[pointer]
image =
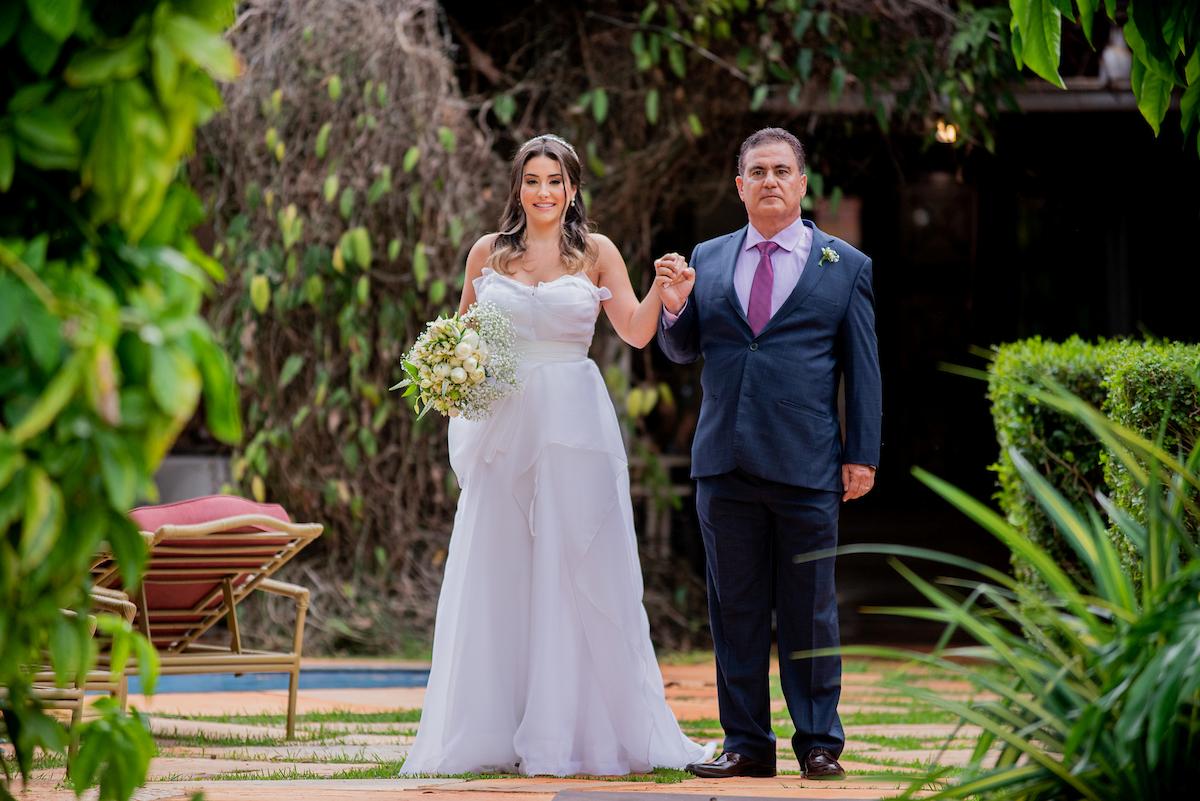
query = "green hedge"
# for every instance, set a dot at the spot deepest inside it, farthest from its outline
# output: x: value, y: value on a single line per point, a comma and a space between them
x: 1136, y: 384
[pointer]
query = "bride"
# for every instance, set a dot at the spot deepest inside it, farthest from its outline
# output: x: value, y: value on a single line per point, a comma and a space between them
x: 542, y: 662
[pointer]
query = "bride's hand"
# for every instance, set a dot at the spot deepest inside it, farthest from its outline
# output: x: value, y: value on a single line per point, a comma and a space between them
x: 674, y: 280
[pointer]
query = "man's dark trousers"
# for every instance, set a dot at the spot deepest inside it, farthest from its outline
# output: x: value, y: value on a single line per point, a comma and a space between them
x: 753, y: 528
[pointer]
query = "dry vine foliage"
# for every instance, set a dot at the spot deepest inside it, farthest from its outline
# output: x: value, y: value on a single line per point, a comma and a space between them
x: 316, y: 325
x: 655, y: 96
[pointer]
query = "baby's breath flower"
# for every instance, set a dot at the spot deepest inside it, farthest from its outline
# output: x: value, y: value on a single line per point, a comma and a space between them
x: 461, y: 366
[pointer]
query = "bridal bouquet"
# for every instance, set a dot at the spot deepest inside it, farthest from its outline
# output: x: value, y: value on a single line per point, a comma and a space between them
x: 462, y: 365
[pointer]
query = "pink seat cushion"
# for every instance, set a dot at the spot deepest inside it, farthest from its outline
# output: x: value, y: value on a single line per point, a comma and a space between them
x: 203, y: 510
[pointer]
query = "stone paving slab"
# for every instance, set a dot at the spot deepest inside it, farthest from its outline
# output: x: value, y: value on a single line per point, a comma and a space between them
x: 364, y: 754
x: 182, y: 769
x: 274, y: 702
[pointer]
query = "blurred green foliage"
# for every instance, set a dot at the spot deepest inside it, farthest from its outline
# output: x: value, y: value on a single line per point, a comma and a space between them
x: 1139, y: 385
x: 103, y: 353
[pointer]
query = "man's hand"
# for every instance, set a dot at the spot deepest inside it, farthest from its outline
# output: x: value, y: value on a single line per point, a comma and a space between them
x: 674, y: 280
x: 857, y: 479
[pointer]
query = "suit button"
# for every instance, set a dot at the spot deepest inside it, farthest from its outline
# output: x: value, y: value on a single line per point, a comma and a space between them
x: 753, y: 346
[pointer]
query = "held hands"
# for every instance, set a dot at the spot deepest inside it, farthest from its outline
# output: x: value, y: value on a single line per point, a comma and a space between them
x: 857, y: 480
x: 674, y: 281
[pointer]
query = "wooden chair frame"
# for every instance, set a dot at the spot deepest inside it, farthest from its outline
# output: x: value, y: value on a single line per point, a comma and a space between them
x: 72, y: 697
x: 236, y: 563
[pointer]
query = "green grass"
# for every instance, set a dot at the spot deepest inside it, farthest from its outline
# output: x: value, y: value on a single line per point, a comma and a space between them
x: 920, y: 765
x: 700, y: 723
x: 686, y: 658
x: 912, y: 717
x: 900, y: 742
x: 336, y: 716
x: 380, y: 770
x: 207, y: 740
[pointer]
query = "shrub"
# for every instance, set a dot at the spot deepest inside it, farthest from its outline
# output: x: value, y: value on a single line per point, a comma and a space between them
x: 1060, y: 447
x: 1133, y: 382
x: 1089, y: 688
x: 103, y: 355
x: 1148, y: 387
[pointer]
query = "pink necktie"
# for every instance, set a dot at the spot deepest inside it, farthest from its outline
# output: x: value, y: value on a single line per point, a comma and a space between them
x: 759, y: 307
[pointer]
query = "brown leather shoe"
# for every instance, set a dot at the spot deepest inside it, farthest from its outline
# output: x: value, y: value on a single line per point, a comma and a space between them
x: 821, y: 764
x: 730, y: 764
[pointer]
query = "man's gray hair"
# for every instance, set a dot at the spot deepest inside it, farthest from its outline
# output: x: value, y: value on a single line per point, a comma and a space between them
x: 765, y: 135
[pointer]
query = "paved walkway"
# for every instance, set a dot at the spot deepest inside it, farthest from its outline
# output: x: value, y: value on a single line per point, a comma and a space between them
x: 230, y: 746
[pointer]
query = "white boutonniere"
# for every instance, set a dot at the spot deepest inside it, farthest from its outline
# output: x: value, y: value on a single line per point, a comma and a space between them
x: 829, y: 255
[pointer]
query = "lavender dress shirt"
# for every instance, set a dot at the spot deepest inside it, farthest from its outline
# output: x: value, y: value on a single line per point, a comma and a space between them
x: 794, y: 242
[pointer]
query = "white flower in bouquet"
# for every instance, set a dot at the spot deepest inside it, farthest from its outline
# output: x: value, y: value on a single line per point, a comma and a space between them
x: 462, y: 365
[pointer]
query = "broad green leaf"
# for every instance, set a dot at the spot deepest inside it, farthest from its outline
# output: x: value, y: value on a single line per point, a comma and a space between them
x: 195, y: 43
x: 164, y: 65
x: 67, y: 649
x: 437, y: 292
x: 102, y: 64
x: 600, y: 105
x: 50, y: 403
x: 760, y: 96
x: 652, y: 106
x: 107, y: 166
x: 46, y: 139
x: 222, y: 405
x: 393, y: 250
x: 43, y: 518
x: 1165, y: 70
x: 1152, y: 92
x: 677, y: 60
x: 39, y: 49
x: 323, y: 139
x: 379, y: 187
x: 119, y: 471
x: 260, y: 293
x: 1189, y: 110
x: 11, y: 460
x: 10, y: 15
x: 43, y: 731
x: 505, y: 107
x: 360, y: 246
x: 1040, y: 23
x: 346, y: 204
x: 148, y: 662
x: 447, y: 139
x: 1087, y: 17
x: 420, y: 265
x: 335, y: 87
x: 411, y: 156
x: 695, y: 125
x: 8, y: 159
x: 56, y: 17
x: 837, y: 82
x: 174, y: 381
x: 314, y: 290
x: 330, y: 189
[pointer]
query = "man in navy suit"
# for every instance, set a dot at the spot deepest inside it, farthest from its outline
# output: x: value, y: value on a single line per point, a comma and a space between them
x: 781, y: 313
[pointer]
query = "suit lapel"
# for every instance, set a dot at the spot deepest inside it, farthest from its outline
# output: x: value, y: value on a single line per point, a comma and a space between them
x: 733, y: 252
x: 809, y: 278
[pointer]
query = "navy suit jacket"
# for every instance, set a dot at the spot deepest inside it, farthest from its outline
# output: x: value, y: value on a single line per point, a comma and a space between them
x: 770, y: 401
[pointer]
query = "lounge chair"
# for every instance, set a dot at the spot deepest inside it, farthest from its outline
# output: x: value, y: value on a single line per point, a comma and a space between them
x: 71, y: 697
x: 205, y: 556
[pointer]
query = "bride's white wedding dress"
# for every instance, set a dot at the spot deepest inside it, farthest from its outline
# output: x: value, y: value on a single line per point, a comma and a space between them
x: 542, y: 662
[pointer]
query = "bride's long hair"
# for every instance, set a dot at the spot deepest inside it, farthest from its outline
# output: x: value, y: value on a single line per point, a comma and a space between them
x: 578, y: 250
